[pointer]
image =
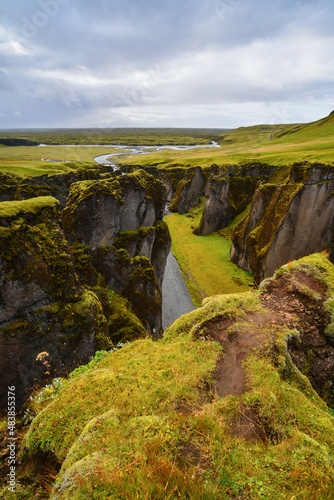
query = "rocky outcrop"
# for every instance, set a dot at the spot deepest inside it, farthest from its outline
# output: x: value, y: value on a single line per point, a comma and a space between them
x: 43, y: 307
x: 120, y: 220
x: 228, y: 192
x: 134, y: 279
x: 8, y: 186
x: 286, y: 221
x: 300, y: 293
x: 188, y: 191
x: 97, y: 211
x: 59, y: 185
x: 73, y: 284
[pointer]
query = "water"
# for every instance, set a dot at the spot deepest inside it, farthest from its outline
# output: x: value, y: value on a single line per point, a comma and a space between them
x: 176, y: 299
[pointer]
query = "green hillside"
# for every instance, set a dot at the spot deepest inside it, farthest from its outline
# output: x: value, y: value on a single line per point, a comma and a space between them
x: 320, y: 129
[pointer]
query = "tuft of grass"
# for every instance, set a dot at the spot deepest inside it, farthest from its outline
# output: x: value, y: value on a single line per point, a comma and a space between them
x: 151, y: 384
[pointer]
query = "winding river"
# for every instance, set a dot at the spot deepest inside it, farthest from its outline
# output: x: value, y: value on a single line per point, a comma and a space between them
x: 140, y: 150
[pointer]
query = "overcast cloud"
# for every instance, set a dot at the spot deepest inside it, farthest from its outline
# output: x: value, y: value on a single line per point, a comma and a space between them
x: 165, y: 63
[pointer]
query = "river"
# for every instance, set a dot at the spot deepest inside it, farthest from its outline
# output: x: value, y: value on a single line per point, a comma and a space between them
x: 140, y: 150
x: 176, y: 298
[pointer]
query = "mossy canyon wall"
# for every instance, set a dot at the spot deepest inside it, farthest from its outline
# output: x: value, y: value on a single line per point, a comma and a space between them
x: 79, y: 279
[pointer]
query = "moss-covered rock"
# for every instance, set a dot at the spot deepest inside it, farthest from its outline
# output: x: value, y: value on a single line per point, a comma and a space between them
x: 42, y: 306
x: 97, y: 211
x: 188, y: 191
x: 286, y: 221
x: 8, y: 186
x: 229, y: 191
x: 135, y: 279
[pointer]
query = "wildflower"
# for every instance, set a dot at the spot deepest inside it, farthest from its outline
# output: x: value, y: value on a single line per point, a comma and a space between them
x: 41, y: 356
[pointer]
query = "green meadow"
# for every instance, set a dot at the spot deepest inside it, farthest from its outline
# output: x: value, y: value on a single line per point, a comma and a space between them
x: 205, y: 260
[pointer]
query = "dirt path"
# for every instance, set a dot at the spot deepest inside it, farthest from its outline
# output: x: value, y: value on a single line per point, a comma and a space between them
x: 237, y: 343
x: 285, y: 305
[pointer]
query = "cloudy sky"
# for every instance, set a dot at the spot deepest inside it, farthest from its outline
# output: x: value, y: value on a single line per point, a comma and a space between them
x: 165, y: 63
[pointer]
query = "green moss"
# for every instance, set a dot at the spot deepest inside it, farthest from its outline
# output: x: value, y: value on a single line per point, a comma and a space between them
x: 34, y: 206
x: 25, y: 191
x: 150, y: 384
x: 123, y: 324
x: 38, y: 253
x: 229, y: 306
x: 128, y: 239
x: 241, y: 191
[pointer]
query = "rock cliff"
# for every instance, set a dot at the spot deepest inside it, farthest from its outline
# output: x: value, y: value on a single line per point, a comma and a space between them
x: 228, y: 192
x: 188, y: 191
x: 286, y: 221
x: 43, y: 307
x: 121, y: 221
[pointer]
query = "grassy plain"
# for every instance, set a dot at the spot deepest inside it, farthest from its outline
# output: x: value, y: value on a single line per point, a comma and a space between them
x: 28, y: 161
x: 117, y: 136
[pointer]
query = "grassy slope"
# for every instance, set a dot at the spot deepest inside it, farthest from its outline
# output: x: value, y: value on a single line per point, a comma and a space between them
x: 290, y: 143
x: 141, y: 424
x: 205, y: 260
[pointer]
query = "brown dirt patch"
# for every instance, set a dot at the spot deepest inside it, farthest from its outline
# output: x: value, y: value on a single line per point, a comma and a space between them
x: 191, y: 455
x: 229, y: 375
x: 248, y: 426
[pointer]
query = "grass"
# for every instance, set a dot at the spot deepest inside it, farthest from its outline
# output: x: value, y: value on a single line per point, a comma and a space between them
x: 140, y: 424
x: 272, y: 144
x: 33, y: 206
x: 119, y: 136
x: 205, y: 260
x: 26, y: 161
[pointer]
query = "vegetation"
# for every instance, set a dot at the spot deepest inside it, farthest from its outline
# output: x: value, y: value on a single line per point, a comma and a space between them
x: 271, y: 144
x: 137, y: 423
x: 117, y: 136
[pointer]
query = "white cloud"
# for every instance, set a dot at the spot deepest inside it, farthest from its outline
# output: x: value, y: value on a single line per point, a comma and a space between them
x: 191, y: 61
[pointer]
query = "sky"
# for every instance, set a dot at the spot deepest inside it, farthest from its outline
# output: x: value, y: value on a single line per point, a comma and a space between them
x: 165, y: 63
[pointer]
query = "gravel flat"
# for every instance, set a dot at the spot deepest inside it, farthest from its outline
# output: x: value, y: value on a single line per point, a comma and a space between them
x: 176, y: 299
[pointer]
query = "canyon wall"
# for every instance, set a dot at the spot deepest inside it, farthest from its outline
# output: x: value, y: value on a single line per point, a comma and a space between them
x: 286, y: 221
